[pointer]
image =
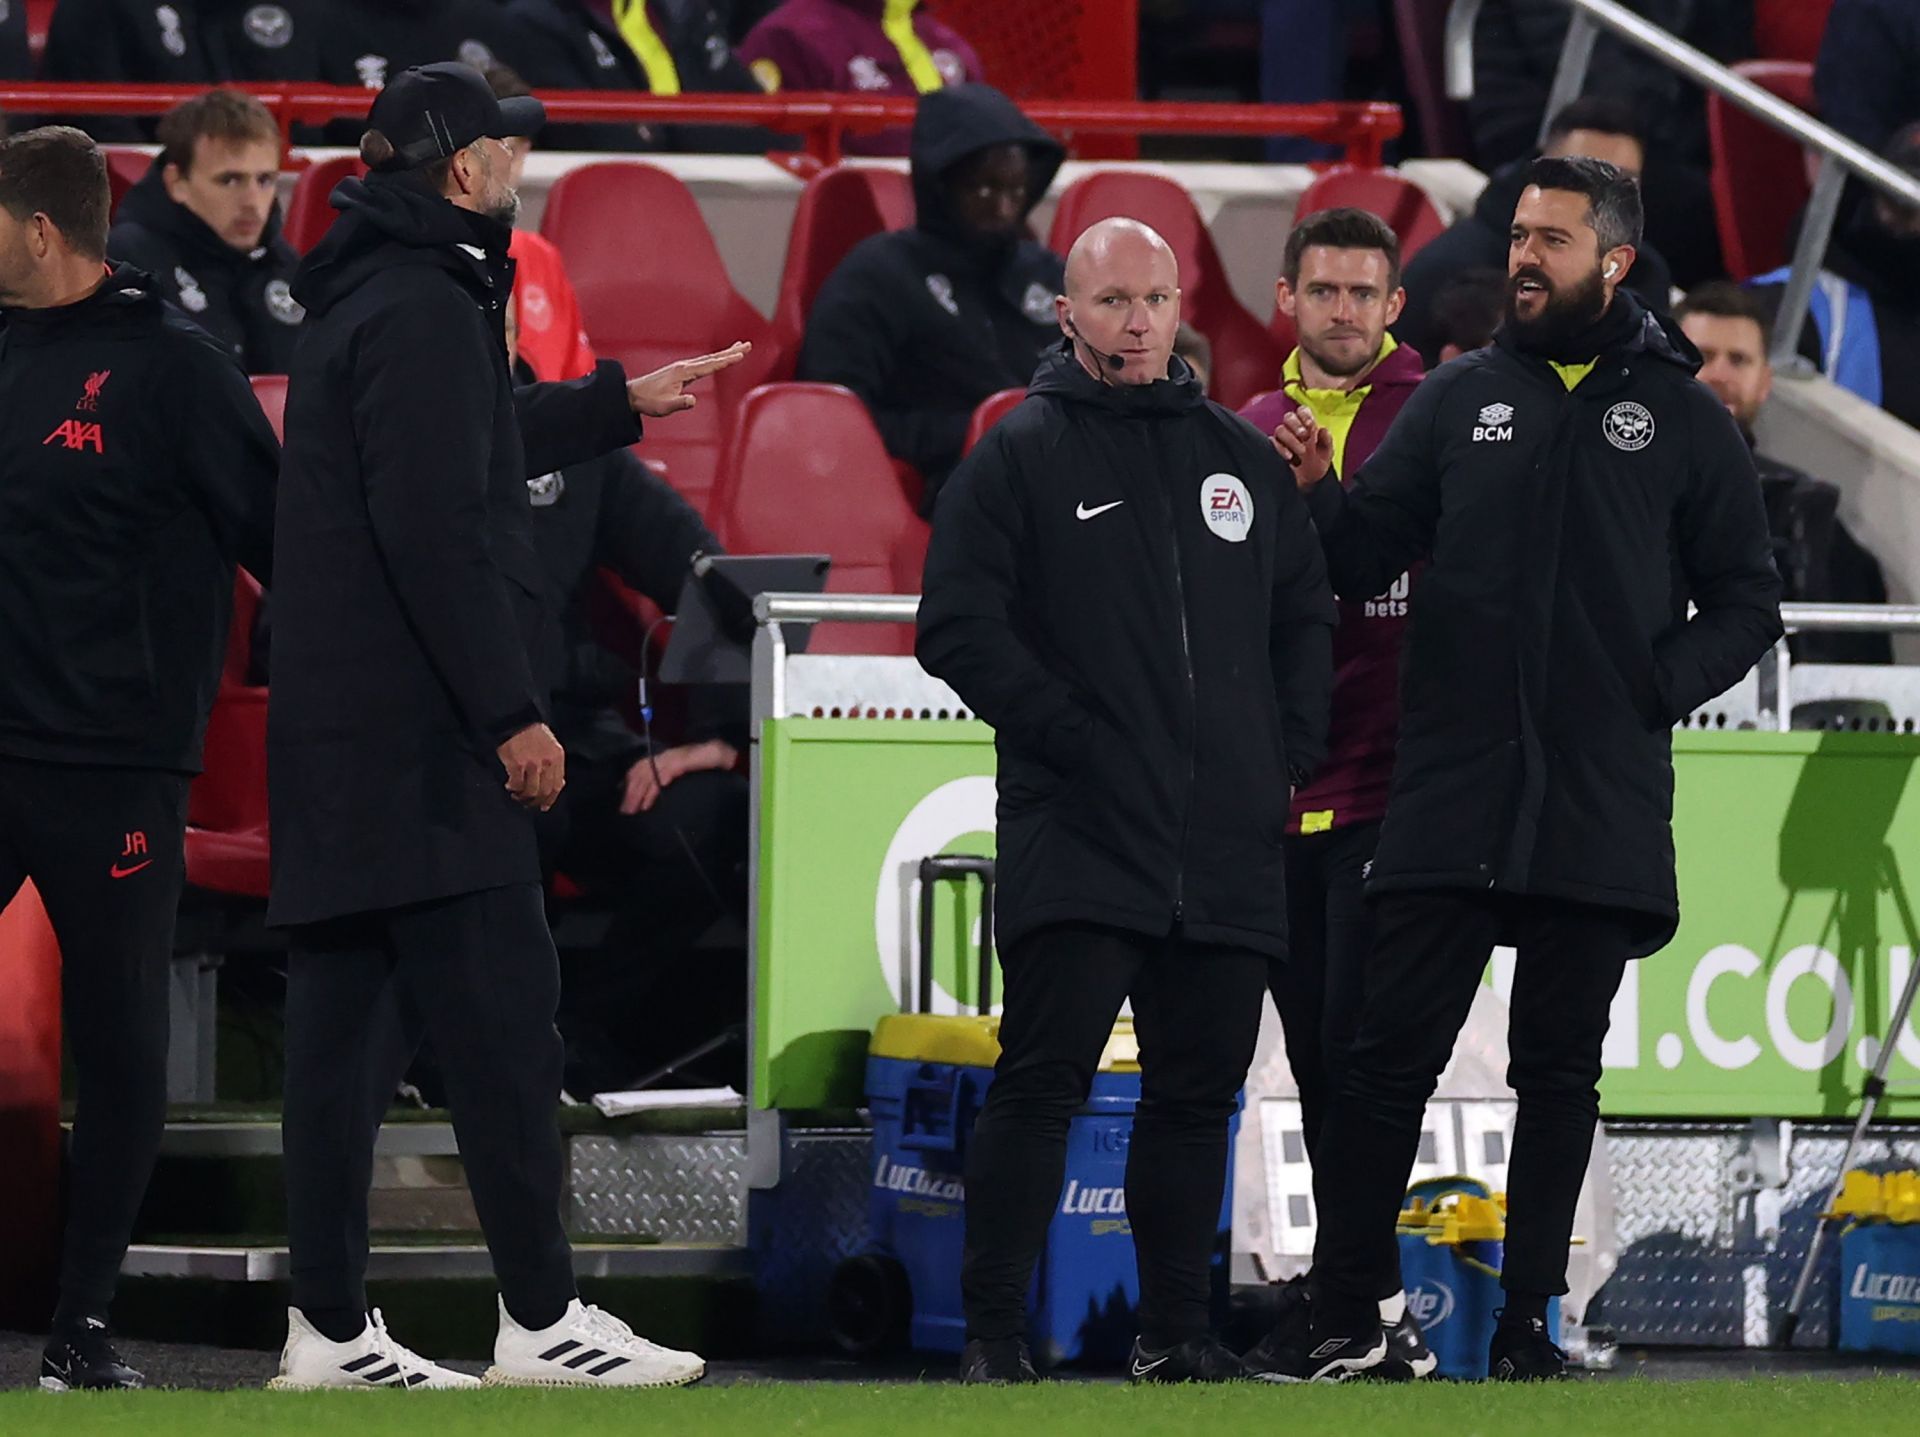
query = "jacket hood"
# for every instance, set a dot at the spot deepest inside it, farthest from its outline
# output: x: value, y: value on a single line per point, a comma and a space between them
x: 1061, y: 373
x: 963, y: 120
x: 1403, y: 368
x: 396, y: 219
x: 149, y: 205
x: 127, y: 292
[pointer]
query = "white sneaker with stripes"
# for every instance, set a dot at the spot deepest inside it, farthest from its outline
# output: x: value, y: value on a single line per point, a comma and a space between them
x: 372, y: 1360
x: 585, y: 1348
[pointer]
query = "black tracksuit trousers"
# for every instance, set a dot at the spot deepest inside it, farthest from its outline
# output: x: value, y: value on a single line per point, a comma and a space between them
x: 1429, y: 952
x: 480, y: 970
x: 1196, y: 1012
x: 104, y: 846
x: 1318, y: 987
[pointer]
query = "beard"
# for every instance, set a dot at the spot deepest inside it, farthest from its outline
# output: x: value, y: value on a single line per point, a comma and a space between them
x: 505, y: 208
x: 1564, y: 314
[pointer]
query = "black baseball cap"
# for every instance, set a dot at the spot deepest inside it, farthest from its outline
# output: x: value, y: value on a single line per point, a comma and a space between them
x: 428, y: 112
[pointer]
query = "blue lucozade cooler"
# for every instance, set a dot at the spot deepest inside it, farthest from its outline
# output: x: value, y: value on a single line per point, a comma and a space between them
x: 1452, y: 1242
x: 927, y: 1078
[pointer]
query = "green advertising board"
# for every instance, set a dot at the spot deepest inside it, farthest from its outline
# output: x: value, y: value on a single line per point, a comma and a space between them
x: 1797, y: 930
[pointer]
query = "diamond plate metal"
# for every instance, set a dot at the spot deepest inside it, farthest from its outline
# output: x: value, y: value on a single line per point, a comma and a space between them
x: 807, y: 1226
x: 673, y: 1188
x: 1697, y: 1265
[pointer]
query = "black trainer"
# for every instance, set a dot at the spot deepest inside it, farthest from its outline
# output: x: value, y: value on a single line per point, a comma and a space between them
x: 81, y: 1358
x: 998, y: 1360
x: 1291, y: 1325
x: 1408, y: 1356
x: 1198, y: 1359
x: 1521, y: 1351
x: 1315, y: 1354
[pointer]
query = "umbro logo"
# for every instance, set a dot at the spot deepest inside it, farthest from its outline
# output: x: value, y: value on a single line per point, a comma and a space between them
x: 1496, y: 423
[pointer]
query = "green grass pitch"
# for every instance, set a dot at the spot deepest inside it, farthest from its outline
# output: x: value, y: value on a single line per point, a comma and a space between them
x: 1762, y: 1407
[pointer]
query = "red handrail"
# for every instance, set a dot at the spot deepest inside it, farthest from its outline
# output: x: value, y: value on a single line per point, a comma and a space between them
x: 824, y: 120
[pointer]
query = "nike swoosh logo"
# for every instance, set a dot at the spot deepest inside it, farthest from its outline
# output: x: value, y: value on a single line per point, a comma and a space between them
x: 1083, y: 512
x: 1159, y: 1362
x: 118, y: 872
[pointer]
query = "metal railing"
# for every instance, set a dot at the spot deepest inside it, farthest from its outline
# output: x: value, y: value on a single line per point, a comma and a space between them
x: 1839, y: 156
x: 823, y: 121
x: 773, y: 611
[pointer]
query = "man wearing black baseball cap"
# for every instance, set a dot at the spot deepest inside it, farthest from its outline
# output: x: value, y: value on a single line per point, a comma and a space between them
x: 408, y: 737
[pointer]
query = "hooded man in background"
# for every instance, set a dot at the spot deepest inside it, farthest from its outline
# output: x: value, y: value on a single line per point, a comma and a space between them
x: 924, y: 323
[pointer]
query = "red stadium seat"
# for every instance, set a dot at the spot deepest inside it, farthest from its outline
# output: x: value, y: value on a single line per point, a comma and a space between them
x: 989, y: 412
x: 653, y: 289
x: 309, y: 216
x: 226, y: 844
x: 838, y: 208
x: 125, y: 169
x: 833, y: 494
x: 1759, y: 175
x: 1396, y: 199
x: 271, y: 391
x: 1246, y: 358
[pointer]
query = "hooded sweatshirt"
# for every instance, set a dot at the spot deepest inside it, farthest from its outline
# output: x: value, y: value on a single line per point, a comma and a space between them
x: 243, y: 298
x: 924, y: 323
x: 136, y: 469
x: 1479, y: 241
x: 409, y: 613
x: 1351, y: 785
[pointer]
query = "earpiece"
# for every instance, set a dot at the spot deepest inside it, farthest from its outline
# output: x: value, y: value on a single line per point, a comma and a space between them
x: 1612, y: 270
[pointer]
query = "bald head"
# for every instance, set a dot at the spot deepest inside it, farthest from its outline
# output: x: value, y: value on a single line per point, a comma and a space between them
x: 1122, y: 301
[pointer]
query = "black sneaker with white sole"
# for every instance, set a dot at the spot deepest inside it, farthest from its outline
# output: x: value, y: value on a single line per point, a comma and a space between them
x: 80, y: 1358
x: 1291, y: 1325
x: 1002, y: 1360
x: 1319, y: 1355
x: 1198, y: 1359
x: 1521, y: 1351
x: 1408, y: 1356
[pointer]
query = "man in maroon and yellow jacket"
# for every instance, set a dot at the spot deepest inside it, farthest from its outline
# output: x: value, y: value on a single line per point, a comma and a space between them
x: 1340, y: 284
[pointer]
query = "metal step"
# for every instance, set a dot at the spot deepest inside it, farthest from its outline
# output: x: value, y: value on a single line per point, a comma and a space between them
x: 435, y: 1261
x: 258, y: 1139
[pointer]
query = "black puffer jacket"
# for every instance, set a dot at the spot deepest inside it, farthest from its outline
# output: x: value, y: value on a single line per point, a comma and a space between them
x: 1123, y: 582
x: 409, y: 607
x: 925, y: 323
x: 1550, y: 653
x: 243, y: 298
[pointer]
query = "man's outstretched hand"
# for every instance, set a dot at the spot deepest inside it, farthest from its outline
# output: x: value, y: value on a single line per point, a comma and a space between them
x: 1306, y: 446
x: 664, y: 392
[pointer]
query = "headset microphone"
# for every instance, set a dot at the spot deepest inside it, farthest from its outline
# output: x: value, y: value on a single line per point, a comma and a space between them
x: 1112, y: 361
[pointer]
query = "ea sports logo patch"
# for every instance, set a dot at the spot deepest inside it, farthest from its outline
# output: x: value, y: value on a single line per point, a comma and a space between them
x: 1227, y: 507
x: 1628, y: 426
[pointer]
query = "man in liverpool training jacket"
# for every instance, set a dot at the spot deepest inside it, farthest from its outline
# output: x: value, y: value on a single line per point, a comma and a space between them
x: 1572, y: 488
x: 137, y: 468
x: 408, y: 735
x: 1124, y: 583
